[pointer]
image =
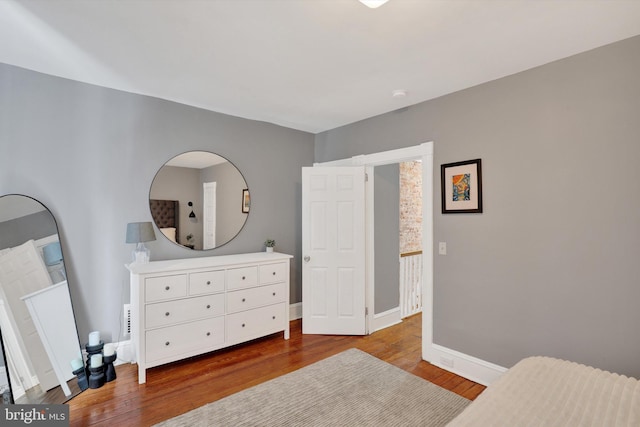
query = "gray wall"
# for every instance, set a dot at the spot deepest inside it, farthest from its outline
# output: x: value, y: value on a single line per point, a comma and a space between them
x: 90, y: 154
x: 30, y: 227
x: 549, y: 267
x: 387, y: 237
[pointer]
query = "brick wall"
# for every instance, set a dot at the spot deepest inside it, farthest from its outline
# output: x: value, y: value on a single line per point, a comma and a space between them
x: 410, y: 206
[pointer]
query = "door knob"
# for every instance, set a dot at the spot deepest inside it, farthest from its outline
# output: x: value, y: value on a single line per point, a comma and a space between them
x: 307, y: 258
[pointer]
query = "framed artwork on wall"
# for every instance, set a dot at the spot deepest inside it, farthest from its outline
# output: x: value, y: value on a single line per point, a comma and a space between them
x: 461, y: 186
x: 246, y: 201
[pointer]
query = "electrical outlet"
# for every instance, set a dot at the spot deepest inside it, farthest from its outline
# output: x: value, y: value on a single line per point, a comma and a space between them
x: 442, y: 248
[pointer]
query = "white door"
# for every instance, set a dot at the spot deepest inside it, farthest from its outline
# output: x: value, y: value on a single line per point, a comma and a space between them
x: 209, y: 214
x: 23, y: 272
x: 333, y: 251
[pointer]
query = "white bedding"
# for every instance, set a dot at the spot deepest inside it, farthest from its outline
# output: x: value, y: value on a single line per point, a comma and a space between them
x: 542, y: 392
x: 170, y: 232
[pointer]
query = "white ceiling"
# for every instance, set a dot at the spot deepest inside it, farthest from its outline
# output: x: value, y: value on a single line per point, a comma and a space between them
x: 196, y: 160
x: 311, y: 65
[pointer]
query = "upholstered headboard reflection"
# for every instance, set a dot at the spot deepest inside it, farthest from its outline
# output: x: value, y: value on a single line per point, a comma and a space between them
x: 165, y: 214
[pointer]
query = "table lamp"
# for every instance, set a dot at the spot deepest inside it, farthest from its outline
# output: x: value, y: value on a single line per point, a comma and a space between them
x: 138, y: 233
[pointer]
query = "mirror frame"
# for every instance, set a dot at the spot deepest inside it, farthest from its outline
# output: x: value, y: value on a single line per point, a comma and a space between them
x: 57, y: 394
x: 177, y: 217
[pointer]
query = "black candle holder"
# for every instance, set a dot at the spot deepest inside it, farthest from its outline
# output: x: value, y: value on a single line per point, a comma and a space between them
x: 93, y: 349
x: 81, y: 373
x: 96, y: 377
x: 109, y: 369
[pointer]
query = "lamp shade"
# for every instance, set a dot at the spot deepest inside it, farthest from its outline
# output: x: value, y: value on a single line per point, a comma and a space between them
x: 140, y: 232
x: 52, y: 253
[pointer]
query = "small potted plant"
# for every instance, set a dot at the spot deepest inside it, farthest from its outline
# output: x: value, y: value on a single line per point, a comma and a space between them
x: 269, y: 244
x: 190, y: 241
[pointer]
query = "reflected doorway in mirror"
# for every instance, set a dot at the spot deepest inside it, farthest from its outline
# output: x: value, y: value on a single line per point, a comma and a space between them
x: 246, y: 201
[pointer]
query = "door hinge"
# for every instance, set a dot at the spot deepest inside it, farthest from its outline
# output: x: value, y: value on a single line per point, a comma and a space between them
x: 366, y: 311
x: 366, y: 177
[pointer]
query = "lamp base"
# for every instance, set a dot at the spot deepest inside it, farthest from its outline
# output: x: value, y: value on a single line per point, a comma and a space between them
x: 141, y: 254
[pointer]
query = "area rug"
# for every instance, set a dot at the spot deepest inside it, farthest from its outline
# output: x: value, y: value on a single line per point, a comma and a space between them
x: 351, y: 388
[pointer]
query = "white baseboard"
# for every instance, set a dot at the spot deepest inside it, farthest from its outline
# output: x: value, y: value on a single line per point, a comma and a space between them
x: 124, y: 350
x: 295, y: 311
x: 466, y: 366
x: 386, y: 319
x: 380, y: 320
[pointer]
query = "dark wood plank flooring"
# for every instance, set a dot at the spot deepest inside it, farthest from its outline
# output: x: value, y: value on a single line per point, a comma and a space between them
x: 35, y: 395
x: 182, y: 386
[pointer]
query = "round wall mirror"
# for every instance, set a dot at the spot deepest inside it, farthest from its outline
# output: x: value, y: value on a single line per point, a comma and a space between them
x: 199, y: 200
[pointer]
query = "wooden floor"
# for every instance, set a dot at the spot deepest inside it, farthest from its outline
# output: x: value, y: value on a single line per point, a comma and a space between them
x: 179, y: 387
x: 35, y: 395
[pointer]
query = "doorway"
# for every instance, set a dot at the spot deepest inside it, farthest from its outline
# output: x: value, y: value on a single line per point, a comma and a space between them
x: 410, y: 220
x: 209, y: 214
x: 423, y: 152
x: 397, y: 241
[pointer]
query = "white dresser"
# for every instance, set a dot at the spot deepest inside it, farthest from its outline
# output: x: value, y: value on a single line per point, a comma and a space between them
x: 185, y: 307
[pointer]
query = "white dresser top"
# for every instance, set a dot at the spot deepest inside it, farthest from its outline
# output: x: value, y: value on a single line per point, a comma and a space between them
x: 205, y: 262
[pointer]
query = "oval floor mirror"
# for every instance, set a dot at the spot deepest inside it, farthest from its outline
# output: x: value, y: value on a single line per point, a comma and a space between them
x: 39, y: 335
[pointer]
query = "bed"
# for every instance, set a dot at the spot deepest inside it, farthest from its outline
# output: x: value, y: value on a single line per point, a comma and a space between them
x: 165, y: 215
x: 543, y: 391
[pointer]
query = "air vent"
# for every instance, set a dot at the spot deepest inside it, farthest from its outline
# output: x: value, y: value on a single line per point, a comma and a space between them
x: 126, y: 324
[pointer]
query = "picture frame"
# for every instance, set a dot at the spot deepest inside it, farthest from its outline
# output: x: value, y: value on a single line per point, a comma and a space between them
x: 246, y: 201
x: 461, y: 186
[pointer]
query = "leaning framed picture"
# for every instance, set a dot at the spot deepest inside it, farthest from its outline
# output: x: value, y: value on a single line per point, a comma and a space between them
x: 246, y: 201
x: 461, y: 186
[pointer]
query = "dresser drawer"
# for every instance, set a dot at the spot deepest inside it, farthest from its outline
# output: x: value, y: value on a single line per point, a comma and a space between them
x: 165, y: 287
x: 207, y: 282
x: 175, y: 340
x: 242, y: 277
x: 256, y: 322
x: 246, y: 299
x: 272, y: 273
x: 184, y: 310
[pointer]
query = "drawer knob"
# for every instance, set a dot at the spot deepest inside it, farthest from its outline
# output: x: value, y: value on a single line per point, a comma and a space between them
x: 208, y: 334
x: 243, y: 325
x: 166, y: 288
x: 274, y: 273
x: 167, y: 314
x: 167, y: 343
x: 208, y: 305
x: 274, y: 294
x: 243, y: 277
x: 208, y: 282
x: 274, y: 317
x: 243, y: 299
